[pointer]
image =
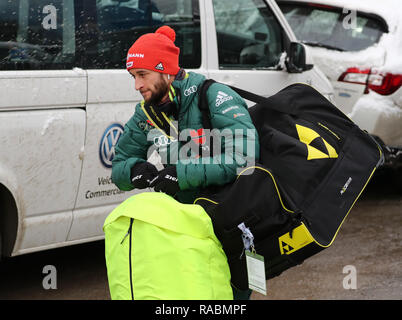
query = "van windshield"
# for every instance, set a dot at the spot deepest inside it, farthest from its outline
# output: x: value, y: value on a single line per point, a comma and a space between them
x: 331, y: 27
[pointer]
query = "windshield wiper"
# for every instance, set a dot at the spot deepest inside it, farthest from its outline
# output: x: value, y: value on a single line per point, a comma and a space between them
x: 321, y: 45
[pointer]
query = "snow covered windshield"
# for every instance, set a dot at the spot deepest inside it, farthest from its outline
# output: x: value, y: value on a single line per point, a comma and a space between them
x: 331, y: 28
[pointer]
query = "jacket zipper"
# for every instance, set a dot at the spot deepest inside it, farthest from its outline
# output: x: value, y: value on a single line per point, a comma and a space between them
x: 129, y: 233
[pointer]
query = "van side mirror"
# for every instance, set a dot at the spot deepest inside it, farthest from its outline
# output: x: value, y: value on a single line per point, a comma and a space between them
x: 296, y: 61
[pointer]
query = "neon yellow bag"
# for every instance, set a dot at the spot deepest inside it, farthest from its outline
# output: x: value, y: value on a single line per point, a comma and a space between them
x: 159, y: 248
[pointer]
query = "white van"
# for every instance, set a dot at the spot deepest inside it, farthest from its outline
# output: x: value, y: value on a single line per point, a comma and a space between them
x: 65, y: 96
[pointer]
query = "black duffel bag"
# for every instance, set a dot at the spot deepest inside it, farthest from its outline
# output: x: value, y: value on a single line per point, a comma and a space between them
x: 314, y: 164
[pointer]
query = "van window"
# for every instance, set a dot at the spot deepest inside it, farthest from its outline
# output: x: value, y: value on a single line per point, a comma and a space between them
x: 37, y: 34
x: 249, y: 36
x: 120, y: 23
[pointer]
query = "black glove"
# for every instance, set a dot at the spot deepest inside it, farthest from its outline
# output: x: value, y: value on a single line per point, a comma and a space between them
x: 142, y: 174
x: 166, y: 181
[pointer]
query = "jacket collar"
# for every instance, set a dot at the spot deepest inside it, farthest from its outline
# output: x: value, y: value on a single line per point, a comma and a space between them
x: 187, y: 86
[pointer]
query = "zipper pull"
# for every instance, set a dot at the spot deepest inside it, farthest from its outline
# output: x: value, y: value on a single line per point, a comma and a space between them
x: 129, y: 230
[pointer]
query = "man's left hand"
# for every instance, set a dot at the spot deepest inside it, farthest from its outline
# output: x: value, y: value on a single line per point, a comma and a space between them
x: 166, y: 181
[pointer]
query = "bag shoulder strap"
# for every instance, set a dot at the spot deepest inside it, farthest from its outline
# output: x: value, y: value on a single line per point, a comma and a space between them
x: 203, y: 104
x: 203, y: 101
x: 258, y: 99
x: 249, y: 95
x: 270, y: 102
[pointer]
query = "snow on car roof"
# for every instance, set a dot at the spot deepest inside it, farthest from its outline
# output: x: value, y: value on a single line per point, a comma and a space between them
x: 390, y: 10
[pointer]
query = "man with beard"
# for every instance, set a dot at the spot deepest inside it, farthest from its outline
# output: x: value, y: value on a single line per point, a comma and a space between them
x: 170, y: 96
x: 169, y: 109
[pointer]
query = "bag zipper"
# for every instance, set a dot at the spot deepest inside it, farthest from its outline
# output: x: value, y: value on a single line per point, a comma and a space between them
x: 129, y: 233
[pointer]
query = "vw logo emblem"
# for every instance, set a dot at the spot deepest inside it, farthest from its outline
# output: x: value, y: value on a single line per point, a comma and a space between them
x: 109, y: 140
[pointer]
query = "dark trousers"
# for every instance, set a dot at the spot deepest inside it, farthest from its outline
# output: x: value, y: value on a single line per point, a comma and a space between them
x: 241, y: 294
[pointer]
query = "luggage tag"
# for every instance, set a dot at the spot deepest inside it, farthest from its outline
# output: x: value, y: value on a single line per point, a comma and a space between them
x: 256, y: 272
x: 255, y: 262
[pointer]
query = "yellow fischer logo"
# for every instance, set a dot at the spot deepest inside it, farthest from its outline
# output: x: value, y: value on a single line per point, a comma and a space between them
x: 300, y: 238
x: 317, y: 146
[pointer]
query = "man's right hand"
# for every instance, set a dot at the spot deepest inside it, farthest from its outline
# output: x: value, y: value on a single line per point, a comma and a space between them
x: 142, y: 174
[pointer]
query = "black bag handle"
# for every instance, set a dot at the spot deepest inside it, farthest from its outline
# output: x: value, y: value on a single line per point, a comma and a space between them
x: 258, y: 99
x: 251, y: 96
x: 243, y: 93
x: 270, y: 102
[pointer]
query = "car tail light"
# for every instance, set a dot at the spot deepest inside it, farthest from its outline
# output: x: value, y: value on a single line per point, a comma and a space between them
x: 382, y: 83
x: 355, y: 75
x: 385, y: 84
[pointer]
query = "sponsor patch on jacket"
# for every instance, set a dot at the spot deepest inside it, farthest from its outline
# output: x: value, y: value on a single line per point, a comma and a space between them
x: 191, y: 90
x: 145, y: 125
x: 230, y: 109
x: 163, y: 141
x: 221, y: 98
x: 238, y: 115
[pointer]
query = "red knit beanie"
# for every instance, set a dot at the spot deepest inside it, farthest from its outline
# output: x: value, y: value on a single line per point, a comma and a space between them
x: 155, y: 51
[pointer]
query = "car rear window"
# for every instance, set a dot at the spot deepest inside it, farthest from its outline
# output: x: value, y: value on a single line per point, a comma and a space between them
x: 330, y: 27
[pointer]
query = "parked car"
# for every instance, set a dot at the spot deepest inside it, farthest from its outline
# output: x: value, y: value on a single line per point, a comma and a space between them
x: 358, y: 45
x: 66, y: 95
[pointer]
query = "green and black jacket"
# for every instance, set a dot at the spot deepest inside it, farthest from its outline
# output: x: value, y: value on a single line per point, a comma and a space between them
x: 229, y: 114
